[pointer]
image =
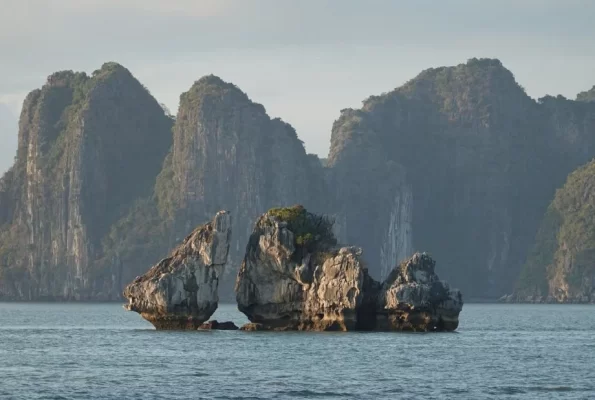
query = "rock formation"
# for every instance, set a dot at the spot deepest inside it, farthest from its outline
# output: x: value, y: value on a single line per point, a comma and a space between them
x: 293, y: 277
x: 459, y: 160
x: 413, y: 298
x: 89, y: 147
x: 180, y: 292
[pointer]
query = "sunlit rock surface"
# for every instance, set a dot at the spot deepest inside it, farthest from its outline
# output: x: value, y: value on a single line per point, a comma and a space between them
x: 180, y: 292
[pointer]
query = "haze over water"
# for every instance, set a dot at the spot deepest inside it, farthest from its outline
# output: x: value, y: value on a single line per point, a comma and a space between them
x: 79, y: 351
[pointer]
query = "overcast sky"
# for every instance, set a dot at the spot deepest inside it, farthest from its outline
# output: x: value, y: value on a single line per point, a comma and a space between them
x: 303, y: 60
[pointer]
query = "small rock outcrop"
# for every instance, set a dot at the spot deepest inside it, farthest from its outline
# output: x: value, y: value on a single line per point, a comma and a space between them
x: 414, y: 298
x: 219, y: 326
x: 180, y: 292
x: 293, y: 277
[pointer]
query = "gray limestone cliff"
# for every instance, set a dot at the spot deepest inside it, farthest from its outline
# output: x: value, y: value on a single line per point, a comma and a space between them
x: 181, y: 291
x: 458, y: 160
x: 228, y: 153
x: 88, y: 148
x: 294, y: 277
x: 560, y: 267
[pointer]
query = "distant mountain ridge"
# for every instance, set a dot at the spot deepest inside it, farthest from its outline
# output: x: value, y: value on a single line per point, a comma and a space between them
x: 459, y: 162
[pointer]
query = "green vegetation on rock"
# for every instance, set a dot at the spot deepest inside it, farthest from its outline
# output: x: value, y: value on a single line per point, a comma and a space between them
x: 312, y: 233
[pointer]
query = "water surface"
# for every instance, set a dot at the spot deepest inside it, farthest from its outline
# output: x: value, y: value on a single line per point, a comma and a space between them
x: 100, y: 351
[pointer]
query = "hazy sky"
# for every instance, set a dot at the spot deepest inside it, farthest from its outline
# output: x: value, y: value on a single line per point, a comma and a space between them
x: 303, y: 60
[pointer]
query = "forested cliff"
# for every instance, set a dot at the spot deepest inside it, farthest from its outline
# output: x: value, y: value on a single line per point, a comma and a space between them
x: 88, y: 148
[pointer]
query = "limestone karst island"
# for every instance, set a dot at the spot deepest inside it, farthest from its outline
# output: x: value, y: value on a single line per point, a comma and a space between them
x: 293, y: 277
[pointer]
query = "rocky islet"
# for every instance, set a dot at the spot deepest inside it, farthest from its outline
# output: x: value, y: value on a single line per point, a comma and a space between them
x: 293, y: 277
x: 282, y: 285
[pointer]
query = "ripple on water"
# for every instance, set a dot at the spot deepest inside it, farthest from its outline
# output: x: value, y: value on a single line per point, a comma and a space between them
x: 306, y: 393
x: 54, y: 351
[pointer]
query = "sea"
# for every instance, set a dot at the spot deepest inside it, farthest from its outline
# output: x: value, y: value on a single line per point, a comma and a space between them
x: 100, y: 351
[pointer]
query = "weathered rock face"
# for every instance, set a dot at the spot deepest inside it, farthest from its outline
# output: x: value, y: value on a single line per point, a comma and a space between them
x: 282, y: 287
x: 88, y: 148
x: 413, y: 298
x: 460, y: 161
x: 180, y: 292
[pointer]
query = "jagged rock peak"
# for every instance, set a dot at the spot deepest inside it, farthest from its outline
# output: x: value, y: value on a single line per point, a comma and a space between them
x: 69, y: 77
x: 212, y: 85
x: 485, y: 74
x: 294, y: 278
x: 180, y: 292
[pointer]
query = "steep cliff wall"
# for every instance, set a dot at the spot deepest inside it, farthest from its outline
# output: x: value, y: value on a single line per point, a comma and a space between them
x: 460, y: 161
x: 89, y: 147
x: 561, y: 266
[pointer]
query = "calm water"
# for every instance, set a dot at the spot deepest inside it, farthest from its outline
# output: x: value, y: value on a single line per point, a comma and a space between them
x: 100, y: 351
